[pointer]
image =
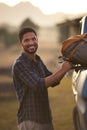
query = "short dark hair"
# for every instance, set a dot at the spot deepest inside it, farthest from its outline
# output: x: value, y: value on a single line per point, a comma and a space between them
x: 25, y: 30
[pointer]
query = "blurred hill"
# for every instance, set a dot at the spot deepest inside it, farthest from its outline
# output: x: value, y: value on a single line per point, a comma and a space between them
x: 16, y: 14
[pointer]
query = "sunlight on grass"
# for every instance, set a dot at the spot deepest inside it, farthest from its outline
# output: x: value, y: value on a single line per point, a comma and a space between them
x: 7, y: 115
x: 62, y: 103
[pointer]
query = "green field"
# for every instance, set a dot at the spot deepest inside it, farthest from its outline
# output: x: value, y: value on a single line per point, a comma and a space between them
x: 61, y: 97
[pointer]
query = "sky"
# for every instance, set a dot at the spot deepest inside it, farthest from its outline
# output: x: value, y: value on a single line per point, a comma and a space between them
x: 53, y: 6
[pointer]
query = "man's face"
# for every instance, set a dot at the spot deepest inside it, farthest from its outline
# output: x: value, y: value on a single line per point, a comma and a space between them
x: 29, y: 42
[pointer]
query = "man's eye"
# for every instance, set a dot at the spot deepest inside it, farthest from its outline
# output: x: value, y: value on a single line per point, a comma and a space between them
x: 34, y: 39
x: 26, y: 40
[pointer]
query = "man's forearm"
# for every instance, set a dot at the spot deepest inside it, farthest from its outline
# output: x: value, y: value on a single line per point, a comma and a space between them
x: 58, y: 75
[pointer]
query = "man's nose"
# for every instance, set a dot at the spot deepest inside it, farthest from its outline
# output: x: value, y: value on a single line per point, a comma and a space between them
x: 31, y: 42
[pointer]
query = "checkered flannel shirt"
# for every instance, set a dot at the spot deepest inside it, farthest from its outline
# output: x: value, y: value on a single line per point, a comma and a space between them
x: 28, y: 78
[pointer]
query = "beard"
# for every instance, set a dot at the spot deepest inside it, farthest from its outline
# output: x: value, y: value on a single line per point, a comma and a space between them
x: 31, y: 49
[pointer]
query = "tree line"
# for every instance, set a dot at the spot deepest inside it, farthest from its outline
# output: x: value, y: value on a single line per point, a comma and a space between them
x: 8, y: 38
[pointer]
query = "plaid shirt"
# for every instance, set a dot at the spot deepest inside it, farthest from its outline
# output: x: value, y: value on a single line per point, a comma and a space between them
x: 28, y: 78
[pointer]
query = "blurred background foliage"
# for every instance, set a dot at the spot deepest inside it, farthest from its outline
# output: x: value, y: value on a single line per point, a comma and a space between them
x: 10, y: 37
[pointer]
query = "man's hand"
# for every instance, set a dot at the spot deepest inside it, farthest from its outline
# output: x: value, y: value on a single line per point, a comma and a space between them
x: 66, y: 66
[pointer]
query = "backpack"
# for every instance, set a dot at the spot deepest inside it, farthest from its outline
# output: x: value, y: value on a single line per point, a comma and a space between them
x: 74, y: 49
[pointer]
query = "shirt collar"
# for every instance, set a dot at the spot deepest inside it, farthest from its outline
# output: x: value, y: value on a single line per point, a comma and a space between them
x: 29, y: 58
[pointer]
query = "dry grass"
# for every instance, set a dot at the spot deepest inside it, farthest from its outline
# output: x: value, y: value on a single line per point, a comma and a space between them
x: 62, y: 103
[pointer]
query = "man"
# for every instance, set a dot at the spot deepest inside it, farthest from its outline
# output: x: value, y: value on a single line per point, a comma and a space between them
x: 31, y: 80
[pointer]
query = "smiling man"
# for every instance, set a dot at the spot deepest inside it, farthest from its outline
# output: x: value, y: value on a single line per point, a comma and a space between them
x: 31, y: 79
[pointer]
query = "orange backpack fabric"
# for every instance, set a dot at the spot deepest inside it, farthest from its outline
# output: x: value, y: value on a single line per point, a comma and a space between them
x: 74, y: 49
